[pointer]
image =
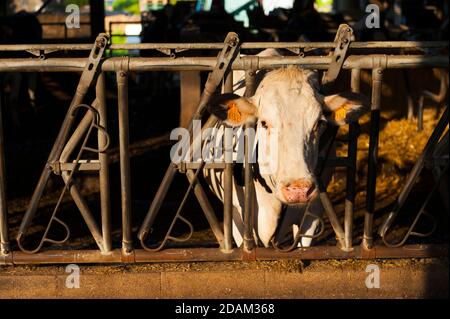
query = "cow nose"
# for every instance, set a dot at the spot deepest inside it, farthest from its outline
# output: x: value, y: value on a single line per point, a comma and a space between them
x: 298, y: 191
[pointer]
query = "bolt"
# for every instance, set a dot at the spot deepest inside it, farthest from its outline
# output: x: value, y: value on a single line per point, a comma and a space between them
x: 101, y: 42
x: 233, y: 42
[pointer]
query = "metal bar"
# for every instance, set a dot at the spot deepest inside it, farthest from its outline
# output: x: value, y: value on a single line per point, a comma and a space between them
x: 207, y: 63
x: 219, y: 46
x: 249, y: 193
x: 228, y: 190
x: 351, y: 168
x: 351, y: 185
x: 228, y: 175
x: 122, y: 91
x: 377, y: 78
x: 90, y: 67
x: 83, y: 165
x: 251, y: 64
x: 331, y: 214
x: 73, y: 189
x: 207, y: 254
x: 438, y: 98
x: 355, y: 80
x: 207, y: 210
x: 105, y: 198
x: 4, y: 237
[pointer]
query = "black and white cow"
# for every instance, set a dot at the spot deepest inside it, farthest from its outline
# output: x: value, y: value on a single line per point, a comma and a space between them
x: 287, y: 101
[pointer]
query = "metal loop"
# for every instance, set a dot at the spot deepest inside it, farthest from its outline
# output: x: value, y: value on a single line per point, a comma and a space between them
x: 410, y: 231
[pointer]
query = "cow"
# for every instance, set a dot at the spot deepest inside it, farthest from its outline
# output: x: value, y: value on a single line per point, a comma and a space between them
x: 287, y: 100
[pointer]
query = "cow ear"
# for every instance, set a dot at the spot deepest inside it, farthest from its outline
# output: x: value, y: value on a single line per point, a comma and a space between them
x: 344, y: 108
x: 233, y: 109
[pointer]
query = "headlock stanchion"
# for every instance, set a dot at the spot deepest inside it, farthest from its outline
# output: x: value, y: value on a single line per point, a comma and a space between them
x: 436, y: 157
x: 224, y: 58
x: 61, y: 151
x: 340, y: 57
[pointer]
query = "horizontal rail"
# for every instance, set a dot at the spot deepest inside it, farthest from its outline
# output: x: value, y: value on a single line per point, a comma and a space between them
x: 219, y: 46
x: 207, y: 254
x: 207, y: 63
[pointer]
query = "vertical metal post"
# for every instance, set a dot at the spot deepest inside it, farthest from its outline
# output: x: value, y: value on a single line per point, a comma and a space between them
x: 122, y: 87
x: 351, y: 168
x: 355, y: 81
x: 4, y: 241
x: 105, y: 199
x: 228, y: 175
x: 249, y: 199
x: 228, y: 190
x: 377, y: 78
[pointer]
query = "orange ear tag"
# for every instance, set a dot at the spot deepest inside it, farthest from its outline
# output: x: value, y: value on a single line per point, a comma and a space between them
x: 340, y: 114
x: 233, y: 113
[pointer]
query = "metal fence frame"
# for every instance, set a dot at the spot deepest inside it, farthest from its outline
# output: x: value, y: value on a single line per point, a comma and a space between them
x: 377, y: 63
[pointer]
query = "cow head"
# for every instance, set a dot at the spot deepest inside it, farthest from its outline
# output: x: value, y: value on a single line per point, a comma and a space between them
x: 288, y: 101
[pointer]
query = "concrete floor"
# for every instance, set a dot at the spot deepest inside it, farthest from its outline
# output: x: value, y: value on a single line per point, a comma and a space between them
x: 424, y: 278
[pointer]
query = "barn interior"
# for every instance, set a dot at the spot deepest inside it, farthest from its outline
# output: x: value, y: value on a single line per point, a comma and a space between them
x: 34, y: 104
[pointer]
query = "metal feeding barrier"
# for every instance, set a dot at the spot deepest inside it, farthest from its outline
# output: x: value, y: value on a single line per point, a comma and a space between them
x: 341, y: 56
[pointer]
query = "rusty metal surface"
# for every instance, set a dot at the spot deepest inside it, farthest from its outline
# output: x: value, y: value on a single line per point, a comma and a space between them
x: 207, y: 63
x: 214, y: 254
x: 246, y: 45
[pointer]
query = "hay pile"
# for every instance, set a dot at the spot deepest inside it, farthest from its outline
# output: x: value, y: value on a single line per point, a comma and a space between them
x: 400, y: 144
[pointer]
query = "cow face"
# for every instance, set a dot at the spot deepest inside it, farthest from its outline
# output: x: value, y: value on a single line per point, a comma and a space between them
x: 288, y: 102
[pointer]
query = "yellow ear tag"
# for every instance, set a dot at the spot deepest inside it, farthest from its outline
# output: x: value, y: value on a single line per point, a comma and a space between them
x: 233, y: 113
x: 340, y: 114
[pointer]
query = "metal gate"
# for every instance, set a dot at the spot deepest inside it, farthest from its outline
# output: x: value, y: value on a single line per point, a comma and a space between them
x: 342, y: 54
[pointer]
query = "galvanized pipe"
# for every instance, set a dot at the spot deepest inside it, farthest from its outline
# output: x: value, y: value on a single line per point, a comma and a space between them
x: 249, y: 196
x: 139, y: 64
x: 377, y: 79
x: 351, y: 185
x: 218, y: 46
x: 105, y: 198
x: 207, y: 254
x: 125, y: 183
x: 228, y: 190
x: 351, y: 168
x: 438, y: 98
x: 228, y: 175
x: 4, y: 238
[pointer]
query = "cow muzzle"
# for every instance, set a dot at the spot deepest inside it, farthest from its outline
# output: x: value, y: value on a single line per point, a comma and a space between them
x: 299, y: 191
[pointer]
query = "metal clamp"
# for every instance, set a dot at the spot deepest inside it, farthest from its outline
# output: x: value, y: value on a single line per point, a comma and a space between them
x: 343, y: 38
